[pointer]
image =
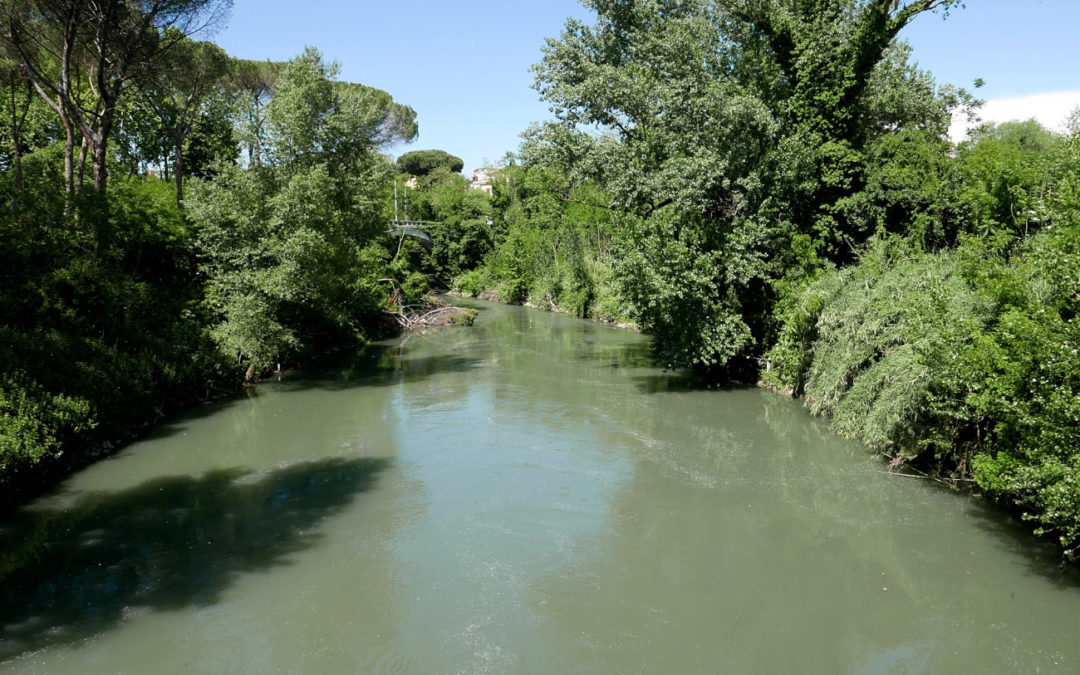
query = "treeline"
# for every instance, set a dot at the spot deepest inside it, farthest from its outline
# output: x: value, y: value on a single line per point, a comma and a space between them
x: 174, y: 221
x: 539, y: 238
x: 769, y: 190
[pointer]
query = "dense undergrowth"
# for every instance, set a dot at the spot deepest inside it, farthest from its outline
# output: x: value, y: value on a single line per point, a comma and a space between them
x: 555, y: 249
x: 104, y: 325
x: 964, y: 361
x: 120, y: 307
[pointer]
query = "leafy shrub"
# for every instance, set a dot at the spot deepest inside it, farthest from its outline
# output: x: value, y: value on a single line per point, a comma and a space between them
x: 474, y: 282
x: 102, y: 332
x: 969, y: 354
x: 35, y: 424
x: 872, y: 353
x: 1026, y: 383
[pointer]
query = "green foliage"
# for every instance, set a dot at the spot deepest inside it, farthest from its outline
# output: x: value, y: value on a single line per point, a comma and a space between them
x: 552, y: 234
x: 1026, y: 386
x: 396, y: 122
x: 474, y: 282
x: 1008, y: 178
x: 423, y: 162
x: 688, y: 293
x: 35, y: 422
x: 286, y: 245
x: 39, y: 127
x: 102, y: 331
x: 963, y: 360
x: 457, y: 219
x: 913, y: 185
x: 873, y: 359
x: 43, y: 171
x: 788, y: 361
x: 212, y: 139
x: 117, y: 307
x: 736, y: 142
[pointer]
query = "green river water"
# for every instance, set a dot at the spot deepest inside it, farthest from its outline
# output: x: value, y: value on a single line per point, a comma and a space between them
x: 528, y: 495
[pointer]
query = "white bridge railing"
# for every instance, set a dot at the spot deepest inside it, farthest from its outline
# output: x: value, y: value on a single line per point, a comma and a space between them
x: 411, y: 228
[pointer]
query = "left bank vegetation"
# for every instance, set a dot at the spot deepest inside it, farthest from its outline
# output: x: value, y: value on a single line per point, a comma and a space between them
x: 174, y: 221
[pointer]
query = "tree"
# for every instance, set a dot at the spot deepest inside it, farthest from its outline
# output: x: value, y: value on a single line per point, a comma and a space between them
x: 423, y: 162
x: 81, y: 56
x: 291, y: 244
x: 397, y: 122
x: 252, y: 82
x: 961, y: 360
x: 15, y: 82
x: 213, y: 137
x: 730, y: 134
x: 186, y: 76
x: 459, y: 229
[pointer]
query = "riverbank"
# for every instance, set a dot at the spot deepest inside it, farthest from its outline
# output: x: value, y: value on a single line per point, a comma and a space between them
x: 492, y: 295
x: 21, y: 483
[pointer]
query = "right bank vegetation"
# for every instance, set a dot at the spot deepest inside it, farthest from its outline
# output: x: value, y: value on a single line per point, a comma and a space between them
x: 769, y: 190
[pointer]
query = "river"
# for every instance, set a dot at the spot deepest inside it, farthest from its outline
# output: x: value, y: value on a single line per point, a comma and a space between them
x: 528, y: 495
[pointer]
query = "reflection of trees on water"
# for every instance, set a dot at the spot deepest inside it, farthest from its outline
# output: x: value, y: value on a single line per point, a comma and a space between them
x: 166, y: 544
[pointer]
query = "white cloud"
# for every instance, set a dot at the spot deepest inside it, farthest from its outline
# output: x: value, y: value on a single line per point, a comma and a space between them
x: 1050, y: 109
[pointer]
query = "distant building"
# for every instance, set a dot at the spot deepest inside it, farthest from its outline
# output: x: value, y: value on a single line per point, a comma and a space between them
x: 481, y: 179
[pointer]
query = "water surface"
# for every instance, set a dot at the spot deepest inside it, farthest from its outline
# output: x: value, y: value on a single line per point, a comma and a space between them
x: 529, y: 495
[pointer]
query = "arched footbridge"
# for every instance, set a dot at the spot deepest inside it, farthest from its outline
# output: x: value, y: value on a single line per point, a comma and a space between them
x: 411, y: 228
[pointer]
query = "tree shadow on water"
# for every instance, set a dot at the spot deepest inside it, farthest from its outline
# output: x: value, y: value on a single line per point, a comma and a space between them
x: 170, y: 543
x: 1038, y: 555
x: 377, y: 366
x: 683, y: 381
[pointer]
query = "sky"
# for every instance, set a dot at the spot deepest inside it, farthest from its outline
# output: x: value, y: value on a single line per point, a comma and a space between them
x: 465, y: 67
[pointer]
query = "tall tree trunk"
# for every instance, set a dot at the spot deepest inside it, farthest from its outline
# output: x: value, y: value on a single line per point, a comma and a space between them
x: 63, y: 108
x: 69, y: 165
x: 179, y: 171
x: 80, y: 168
x: 17, y: 121
x: 101, y: 171
x: 25, y: 45
x: 255, y: 149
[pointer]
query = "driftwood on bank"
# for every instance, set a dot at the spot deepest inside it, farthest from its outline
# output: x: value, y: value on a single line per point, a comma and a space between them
x: 414, y: 317
x: 433, y: 312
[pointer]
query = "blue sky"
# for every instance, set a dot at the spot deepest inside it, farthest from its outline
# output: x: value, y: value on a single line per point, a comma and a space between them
x: 464, y: 67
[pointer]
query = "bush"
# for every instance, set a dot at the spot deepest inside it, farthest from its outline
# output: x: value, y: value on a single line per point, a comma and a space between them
x: 102, y: 333
x: 35, y: 424
x: 965, y: 360
x: 474, y: 282
x: 865, y: 344
x: 1026, y: 383
x: 607, y: 306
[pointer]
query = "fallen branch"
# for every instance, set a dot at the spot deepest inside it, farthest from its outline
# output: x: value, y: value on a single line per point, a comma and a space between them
x: 434, y: 313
